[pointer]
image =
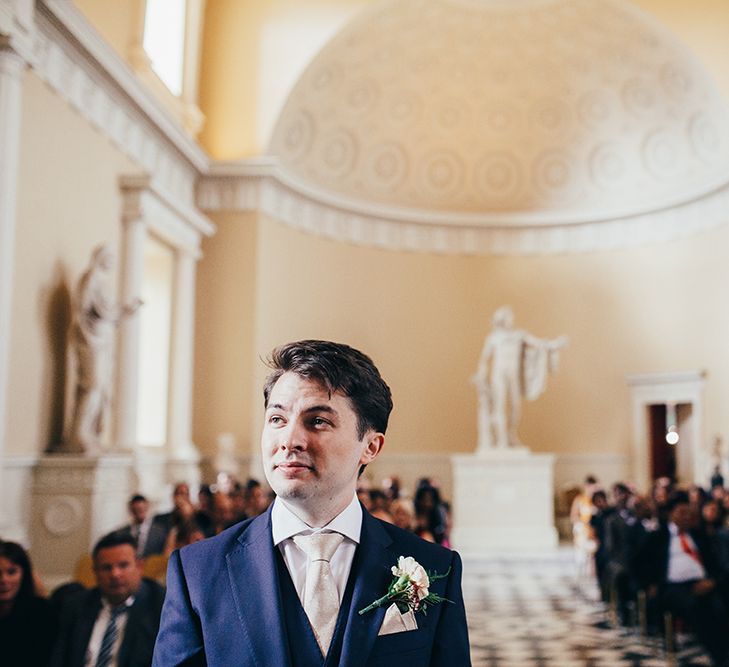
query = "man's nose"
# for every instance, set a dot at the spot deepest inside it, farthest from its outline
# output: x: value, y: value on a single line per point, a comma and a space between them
x: 294, y: 436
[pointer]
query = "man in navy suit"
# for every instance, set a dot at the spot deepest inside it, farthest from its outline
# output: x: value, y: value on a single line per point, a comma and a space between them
x: 116, y: 622
x: 260, y: 595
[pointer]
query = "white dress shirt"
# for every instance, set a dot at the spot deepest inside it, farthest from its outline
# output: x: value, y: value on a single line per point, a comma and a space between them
x: 682, y: 566
x: 97, y: 634
x: 285, y: 524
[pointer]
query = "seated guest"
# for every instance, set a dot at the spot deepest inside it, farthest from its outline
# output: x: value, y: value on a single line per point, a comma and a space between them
x: 159, y: 532
x: 683, y: 574
x: 379, y: 505
x: 257, y: 501
x: 28, y: 623
x: 115, y: 623
x: 403, y: 514
x: 141, y: 522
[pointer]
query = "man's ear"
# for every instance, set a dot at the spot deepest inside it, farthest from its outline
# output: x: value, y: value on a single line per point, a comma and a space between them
x: 375, y: 442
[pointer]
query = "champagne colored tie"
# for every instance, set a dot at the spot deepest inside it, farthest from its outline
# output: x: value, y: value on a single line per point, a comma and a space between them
x: 321, y: 599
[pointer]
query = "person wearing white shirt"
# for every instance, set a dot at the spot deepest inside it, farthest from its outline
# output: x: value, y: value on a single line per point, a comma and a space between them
x: 114, y: 624
x: 293, y: 587
x: 681, y: 568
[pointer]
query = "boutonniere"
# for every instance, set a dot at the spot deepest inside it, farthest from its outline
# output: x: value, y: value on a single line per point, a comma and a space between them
x: 409, y: 588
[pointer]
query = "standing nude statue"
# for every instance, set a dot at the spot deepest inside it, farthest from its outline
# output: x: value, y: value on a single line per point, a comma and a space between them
x: 92, y: 335
x: 513, y: 364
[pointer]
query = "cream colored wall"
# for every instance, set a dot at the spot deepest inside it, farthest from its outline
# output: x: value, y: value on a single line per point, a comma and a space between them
x: 253, y: 53
x: 68, y: 201
x: 115, y: 20
x: 223, y: 400
x: 423, y: 319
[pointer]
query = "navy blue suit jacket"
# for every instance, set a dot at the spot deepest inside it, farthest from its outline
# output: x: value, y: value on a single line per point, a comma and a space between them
x: 223, y: 604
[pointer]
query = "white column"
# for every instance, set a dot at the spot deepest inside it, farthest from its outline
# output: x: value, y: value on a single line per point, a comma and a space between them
x: 182, y: 453
x: 127, y: 385
x: 11, y: 88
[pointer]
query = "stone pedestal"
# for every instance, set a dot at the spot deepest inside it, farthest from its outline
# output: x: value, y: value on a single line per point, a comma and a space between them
x: 76, y: 500
x: 503, y: 502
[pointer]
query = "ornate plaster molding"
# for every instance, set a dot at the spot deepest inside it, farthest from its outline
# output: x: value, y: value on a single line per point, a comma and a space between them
x: 85, y: 71
x: 261, y: 186
x: 178, y: 223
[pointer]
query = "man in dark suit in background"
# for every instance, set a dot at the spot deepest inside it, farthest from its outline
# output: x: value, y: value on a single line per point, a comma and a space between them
x: 680, y: 570
x: 286, y: 588
x: 115, y: 623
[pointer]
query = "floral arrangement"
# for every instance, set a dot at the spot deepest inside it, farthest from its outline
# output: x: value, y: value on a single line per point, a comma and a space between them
x: 409, y: 589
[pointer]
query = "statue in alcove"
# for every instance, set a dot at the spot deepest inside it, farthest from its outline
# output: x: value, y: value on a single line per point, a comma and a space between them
x: 513, y: 365
x: 95, y: 318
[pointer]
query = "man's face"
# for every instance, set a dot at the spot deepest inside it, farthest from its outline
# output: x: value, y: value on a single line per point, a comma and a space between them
x: 118, y: 573
x: 181, y: 495
x: 310, y: 445
x: 139, y: 510
x: 682, y: 516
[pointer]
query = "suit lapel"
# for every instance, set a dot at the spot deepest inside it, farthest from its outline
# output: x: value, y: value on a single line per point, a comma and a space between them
x: 254, y: 579
x: 87, y: 620
x: 371, y: 570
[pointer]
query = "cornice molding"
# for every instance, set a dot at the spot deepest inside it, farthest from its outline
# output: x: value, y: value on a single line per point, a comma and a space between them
x: 181, y: 225
x: 260, y: 185
x: 84, y: 70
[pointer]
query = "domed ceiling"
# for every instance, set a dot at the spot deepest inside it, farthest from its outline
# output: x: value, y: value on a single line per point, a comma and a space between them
x: 506, y: 113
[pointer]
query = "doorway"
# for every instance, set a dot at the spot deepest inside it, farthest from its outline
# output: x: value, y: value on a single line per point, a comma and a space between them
x: 653, y: 396
x: 670, y: 456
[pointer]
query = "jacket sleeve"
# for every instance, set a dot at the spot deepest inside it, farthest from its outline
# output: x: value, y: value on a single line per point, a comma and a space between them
x: 180, y: 640
x: 451, y: 647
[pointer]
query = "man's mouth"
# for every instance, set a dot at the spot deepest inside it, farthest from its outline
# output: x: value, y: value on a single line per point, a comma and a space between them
x: 291, y: 465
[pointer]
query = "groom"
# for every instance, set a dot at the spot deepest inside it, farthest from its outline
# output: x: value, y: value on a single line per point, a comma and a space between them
x: 285, y: 589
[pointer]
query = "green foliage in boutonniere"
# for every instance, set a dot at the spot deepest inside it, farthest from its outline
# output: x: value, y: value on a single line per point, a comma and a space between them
x: 409, y: 588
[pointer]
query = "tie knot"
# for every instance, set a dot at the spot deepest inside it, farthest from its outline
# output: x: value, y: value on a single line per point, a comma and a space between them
x: 319, y: 546
x: 119, y: 610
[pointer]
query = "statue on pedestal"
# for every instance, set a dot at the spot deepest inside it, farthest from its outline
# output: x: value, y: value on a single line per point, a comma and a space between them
x: 95, y: 319
x: 513, y: 364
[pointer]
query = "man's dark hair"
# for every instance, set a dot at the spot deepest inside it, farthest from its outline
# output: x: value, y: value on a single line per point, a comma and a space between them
x: 599, y: 494
x: 677, y: 498
x: 136, y: 498
x: 337, y: 367
x: 115, y: 539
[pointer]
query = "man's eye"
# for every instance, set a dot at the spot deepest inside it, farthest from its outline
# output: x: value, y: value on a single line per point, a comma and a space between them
x: 275, y: 419
x: 319, y: 421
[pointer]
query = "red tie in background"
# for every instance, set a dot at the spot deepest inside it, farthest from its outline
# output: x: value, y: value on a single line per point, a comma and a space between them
x: 688, y: 548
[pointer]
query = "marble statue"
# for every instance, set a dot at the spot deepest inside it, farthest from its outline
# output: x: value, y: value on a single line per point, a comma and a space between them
x: 95, y: 318
x: 513, y: 365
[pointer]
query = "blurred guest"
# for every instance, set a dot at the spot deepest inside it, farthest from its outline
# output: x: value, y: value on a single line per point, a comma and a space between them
x: 141, y: 522
x: 683, y: 575
x: 717, y: 479
x: 115, y: 623
x: 28, y: 623
x: 223, y: 512
x: 392, y: 487
x: 602, y: 512
x: 257, y: 500
x: 430, y: 519
x: 158, y: 538
x: 403, y: 513
x: 379, y: 505
x: 204, y: 514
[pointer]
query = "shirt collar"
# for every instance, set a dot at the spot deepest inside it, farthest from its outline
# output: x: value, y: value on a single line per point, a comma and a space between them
x: 285, y: 524
x: 127, y: 603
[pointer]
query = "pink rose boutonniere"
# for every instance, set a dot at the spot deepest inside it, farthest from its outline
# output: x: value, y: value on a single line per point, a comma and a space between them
x: 409, y: 589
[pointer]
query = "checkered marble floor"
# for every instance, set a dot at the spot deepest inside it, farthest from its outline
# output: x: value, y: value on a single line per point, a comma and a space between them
x: 535, y: 612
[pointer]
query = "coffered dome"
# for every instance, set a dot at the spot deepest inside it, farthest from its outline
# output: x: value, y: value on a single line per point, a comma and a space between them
x: 505, y: 113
